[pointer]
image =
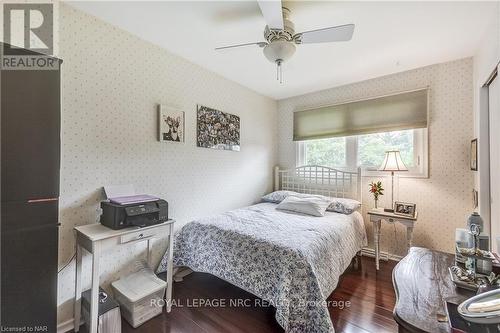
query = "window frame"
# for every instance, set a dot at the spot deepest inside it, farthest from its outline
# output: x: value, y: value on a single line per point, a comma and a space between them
x: 420, y: 151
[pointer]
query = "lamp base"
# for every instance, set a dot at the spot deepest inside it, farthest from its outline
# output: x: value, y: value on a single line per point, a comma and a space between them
x: 389, y: 210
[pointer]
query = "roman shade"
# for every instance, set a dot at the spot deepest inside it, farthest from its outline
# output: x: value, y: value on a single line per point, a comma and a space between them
x: 401, y: 111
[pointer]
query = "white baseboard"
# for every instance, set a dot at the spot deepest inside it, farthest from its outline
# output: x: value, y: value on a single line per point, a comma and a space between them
x: 67, y: 325
x: 369, y: 252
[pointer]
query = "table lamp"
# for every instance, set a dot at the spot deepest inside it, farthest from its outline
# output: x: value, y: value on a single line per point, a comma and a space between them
x: 392, y: 162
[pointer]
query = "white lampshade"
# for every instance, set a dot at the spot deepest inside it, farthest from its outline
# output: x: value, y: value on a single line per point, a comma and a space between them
x: 279, y: 50
x: 393, y: 162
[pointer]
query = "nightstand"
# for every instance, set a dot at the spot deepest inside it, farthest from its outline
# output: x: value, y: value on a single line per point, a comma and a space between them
x: 377, y: 216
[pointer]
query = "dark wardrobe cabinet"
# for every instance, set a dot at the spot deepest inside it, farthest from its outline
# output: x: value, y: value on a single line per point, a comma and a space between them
x: 30, y: 150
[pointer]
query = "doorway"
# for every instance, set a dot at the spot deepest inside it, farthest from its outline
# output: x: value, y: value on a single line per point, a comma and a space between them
x: 494, y: 129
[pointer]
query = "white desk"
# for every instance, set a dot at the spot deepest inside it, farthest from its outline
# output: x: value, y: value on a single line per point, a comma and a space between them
x: 377, y: 216
x: 97, y: 239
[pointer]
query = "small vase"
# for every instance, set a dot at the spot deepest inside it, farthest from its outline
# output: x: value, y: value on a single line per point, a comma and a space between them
x: 475, y: 218
x: 376, y: 203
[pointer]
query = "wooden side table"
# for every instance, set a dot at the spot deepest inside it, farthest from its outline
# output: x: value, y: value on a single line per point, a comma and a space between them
x: 96, y: 239
x: 377, y: 216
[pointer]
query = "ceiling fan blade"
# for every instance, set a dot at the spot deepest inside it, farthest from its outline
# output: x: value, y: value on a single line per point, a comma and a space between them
x: 333, y: 34
x: 273, y: 13
x: 259, y: 44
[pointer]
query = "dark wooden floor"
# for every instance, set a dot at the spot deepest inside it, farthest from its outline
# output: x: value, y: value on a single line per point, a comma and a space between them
x: 370, y: 293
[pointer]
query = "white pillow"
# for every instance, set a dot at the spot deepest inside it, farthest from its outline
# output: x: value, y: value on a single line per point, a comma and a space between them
x: 338, y: 205
x: 344, y: 205
x: 314, y: 206
x: 278, y: 196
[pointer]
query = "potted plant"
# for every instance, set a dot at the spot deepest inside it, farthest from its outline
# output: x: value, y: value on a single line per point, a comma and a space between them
x: 376, y: 189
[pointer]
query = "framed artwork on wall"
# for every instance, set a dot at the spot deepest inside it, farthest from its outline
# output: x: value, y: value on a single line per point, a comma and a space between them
x: 170, y: 124
x: 473, y: 155
x: 217, y: 129
x: 475, y: 198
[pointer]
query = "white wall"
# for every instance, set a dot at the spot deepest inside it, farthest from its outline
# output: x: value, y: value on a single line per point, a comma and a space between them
x: 111, y: 84
x: 485, y: 60
x: 444, y: 199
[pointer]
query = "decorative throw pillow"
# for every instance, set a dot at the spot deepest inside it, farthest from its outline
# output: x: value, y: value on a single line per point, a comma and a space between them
x: 314, y: 206
x: 278, y: 196
x: 343, y: 205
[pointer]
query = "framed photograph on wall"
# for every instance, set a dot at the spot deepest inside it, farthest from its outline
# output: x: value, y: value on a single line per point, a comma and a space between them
x: 170, y: 124
x: 473, y: 155
x: 217, y: 129
x: 475, y: 198
x: 405, y: 209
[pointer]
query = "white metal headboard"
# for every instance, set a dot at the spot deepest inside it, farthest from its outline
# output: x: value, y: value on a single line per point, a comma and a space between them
x: 315, y: 179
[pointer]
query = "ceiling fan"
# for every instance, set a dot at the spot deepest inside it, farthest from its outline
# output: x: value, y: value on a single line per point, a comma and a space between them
x: 280, y: 36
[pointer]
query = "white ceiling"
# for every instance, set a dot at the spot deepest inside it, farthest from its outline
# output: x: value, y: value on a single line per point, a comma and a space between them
x: 389, y: 37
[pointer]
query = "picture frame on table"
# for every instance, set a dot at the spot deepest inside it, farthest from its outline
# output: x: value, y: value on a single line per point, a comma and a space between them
x: 473, y: 155
x: 405, y: 209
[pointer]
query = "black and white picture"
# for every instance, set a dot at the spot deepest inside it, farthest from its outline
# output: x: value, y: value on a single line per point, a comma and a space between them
x: 405, y: 208
x: 217, y: 129
x: 171, y: 124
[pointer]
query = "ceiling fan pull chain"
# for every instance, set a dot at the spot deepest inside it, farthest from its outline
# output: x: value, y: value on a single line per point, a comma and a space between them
x: 279, y: 70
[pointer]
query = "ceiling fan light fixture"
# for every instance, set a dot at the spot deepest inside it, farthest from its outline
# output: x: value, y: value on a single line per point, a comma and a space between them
x: 279, y: 50
x: 280, y: 37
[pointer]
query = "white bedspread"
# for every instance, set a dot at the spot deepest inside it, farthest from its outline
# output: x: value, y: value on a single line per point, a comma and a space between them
x: 292, y: 261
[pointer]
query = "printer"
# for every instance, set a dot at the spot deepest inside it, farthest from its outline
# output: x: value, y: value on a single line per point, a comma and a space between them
x: 135, y: 210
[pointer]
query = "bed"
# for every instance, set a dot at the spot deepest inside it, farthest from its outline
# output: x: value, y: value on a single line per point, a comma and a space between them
x: 293, y: 261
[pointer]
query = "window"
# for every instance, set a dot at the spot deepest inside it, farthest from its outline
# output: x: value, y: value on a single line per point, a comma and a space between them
x: 367, y: 151
x: 372, y: 147
x: 327, y: 152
